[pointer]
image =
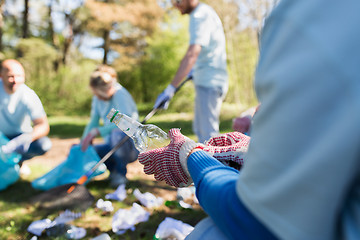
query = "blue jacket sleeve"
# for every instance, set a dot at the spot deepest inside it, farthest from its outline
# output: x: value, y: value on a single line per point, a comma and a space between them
x: 216, y: 191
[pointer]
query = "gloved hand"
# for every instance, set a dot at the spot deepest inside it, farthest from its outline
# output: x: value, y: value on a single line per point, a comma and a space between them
x: 242, y: 124
x: 19, y: 144
x: 228, y: 148
x: 89, y: 138
x: 163, y: 100
x: 169, y: 163
x: 190, y: 74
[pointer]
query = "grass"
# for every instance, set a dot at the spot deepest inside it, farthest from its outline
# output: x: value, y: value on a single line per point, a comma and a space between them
x: 16, y: 213
x: 73, y: 126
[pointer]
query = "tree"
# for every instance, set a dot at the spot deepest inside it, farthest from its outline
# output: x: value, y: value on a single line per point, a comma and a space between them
x: 163, y: 53
x: 50, y: 28
x: 123, y: 26
x: 1, y: 23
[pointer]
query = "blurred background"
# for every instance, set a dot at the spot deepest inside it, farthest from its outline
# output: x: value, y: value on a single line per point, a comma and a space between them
x: 60, y: 42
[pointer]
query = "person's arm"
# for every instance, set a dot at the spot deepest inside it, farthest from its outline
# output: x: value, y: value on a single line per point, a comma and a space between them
x: 184, y: 69
x: 21, y: 143
x: 186, y: 64
x: 41, y: 128
x: 216, y: 191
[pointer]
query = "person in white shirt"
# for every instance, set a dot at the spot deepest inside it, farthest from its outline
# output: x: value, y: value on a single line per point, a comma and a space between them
x: 206, y: 60
x: 22, y: 116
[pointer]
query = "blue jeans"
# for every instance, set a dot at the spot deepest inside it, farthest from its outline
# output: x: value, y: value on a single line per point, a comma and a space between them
x: 37, y: 147
x: 118, y: 161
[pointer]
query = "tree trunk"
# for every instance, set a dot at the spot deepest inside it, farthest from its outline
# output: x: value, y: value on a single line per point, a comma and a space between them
x: 51, y: 25
x: 69, y: 36
x: 25, y: 26
x: 1, y: 24
x: 106, y: 38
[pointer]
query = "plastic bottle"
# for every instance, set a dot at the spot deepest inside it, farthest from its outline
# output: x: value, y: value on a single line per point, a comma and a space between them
x: 146, y: 137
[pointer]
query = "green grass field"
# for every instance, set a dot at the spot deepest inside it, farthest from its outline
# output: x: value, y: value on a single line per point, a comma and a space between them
x: 16, y: 213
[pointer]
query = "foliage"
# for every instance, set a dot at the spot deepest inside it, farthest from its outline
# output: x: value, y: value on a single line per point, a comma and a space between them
x: 70, y: 93
x: 165, y: 49
x: 145, y: 40
x: 64, y: 91
x: 242, y: 63
x: 37, y: 57
x: 123, y: 26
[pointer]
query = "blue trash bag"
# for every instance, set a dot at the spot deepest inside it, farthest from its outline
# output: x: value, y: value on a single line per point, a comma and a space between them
x: 9, y: 167
x: 77, y: 164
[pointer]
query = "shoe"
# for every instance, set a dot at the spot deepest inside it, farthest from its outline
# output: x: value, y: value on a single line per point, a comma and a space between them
x: 117, y: 179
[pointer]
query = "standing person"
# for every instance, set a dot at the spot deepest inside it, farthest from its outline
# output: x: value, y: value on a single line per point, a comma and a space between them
x: 108, y: 94
x: 301, y: 177
x: 206, y: 56
x: 22, y: 116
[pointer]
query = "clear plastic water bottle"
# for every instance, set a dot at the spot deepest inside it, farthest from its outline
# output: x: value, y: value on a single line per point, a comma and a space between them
x: 146, y: 137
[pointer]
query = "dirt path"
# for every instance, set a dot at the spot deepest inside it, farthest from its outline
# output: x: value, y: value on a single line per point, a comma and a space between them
x: 60, y: 150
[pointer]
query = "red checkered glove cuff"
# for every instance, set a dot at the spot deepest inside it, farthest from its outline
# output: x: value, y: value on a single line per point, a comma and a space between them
x: 229, y: 148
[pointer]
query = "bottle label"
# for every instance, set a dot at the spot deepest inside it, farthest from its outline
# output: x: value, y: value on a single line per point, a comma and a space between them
x: 128, y: 125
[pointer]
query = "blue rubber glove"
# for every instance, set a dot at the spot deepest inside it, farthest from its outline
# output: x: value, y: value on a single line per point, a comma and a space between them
x: 163, y: 100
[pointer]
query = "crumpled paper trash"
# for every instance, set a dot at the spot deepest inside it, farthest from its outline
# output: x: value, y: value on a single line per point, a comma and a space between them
x: 37, y: 227
x: 75, y: 233
x: 119, y: 194
x: 172, y: 228
x: 105, y: 206
x: 148, y: 199
x: 186, y: 193
x: 103, y: 236
x: 65, y: 217
x: 125, y: 219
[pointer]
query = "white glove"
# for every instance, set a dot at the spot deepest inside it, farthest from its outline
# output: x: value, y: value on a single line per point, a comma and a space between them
x: 89, y: 138
x: 163, y: 100
x: 19, y: 144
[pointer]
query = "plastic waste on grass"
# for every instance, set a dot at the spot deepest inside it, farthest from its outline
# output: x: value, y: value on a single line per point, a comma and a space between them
x: 103, y: 236
x: 146, y: 137
x: 172, y: 229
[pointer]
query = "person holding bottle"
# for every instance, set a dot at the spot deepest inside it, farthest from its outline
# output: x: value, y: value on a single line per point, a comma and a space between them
x: 301, y: 177
x: 108, y: 94
x: 206, y: 60
x: 22, y: 116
